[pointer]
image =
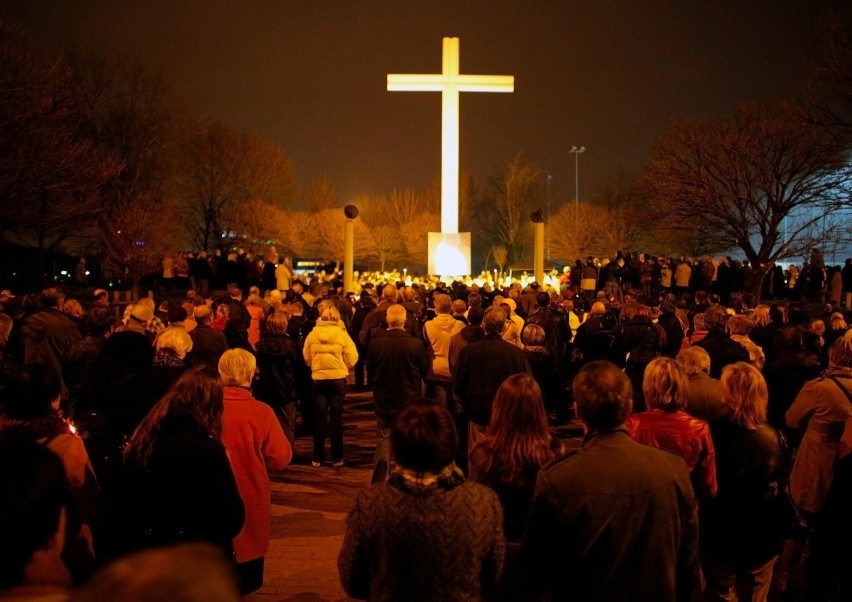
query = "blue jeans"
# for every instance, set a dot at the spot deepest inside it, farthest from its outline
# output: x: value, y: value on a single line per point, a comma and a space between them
x: 328, y: 403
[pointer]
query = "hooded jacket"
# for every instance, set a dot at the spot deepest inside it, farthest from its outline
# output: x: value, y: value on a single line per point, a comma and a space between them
x: 438, y: 332
x: 329, y: 351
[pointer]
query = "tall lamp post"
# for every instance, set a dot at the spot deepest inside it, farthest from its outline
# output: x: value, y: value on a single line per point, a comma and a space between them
x: 549, y: 178
x: 577, y: 151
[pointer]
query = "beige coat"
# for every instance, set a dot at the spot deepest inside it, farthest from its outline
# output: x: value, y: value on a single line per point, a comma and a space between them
x: 823, y: 408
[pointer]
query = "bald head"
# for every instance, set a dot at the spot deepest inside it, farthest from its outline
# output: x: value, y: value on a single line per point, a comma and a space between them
x: 396, y: 317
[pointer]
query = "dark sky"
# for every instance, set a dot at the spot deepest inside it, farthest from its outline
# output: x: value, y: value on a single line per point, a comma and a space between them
x: 311, y: 74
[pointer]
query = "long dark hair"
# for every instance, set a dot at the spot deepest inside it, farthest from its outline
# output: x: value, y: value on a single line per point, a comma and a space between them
x: 518, y: 442
x: 198, y: 394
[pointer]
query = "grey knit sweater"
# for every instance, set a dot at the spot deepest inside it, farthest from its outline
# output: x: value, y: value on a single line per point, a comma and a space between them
x: 438, y: 544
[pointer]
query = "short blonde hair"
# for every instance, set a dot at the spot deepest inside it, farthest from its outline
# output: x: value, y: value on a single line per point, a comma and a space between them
x: 236, y: 367
x: 665, y: 385
x: 739, y: 325
x: 836, y: 321
x: 694, y: 360
x: 329, y: 314
x: 176, y: 339
x: 840, y: 353
x: 533, y: 334
x: 72, y: 307
x: 760, y: 315
x: 744, y: 395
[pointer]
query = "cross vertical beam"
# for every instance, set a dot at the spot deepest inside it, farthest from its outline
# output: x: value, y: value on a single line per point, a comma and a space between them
x: 449, y: 83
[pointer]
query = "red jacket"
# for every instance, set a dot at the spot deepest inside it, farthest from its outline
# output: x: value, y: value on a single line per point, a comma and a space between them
x: 256, y: 444
x: 680, y: 433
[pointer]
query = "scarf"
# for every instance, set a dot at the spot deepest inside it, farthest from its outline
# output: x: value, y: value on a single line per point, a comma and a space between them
x: 425, y: 484
x: 46, y: 427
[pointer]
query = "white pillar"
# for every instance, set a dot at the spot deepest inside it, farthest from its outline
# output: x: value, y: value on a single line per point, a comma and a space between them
x: 349, y: 257
x: 538, y: 262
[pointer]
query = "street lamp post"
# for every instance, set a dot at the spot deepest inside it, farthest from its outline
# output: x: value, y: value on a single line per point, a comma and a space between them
x: 549, y: 178
x: 577, y: 151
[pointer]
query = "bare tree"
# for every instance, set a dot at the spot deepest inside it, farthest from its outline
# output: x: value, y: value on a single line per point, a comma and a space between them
x: 136, y: 120
x: 574, y: 231
x: 416, y: 239
x: 321, y: 195
x: 143, y: 229
x: 500, y: 254
x: 829, y: 94
x: 50, y: 165
x: 765, y: 181
x: 328, y: 237
x: 506, y: 207
x: 222, y: 168
x: 388, y: 243
x: 256, y: 223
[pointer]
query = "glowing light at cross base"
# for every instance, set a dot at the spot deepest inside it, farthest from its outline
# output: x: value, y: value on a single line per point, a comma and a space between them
x: 449, y: 253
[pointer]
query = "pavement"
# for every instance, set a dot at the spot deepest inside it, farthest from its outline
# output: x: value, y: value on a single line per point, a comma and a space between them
x: 309, y: 507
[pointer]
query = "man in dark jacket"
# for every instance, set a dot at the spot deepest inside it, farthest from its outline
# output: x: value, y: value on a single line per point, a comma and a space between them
x: 614, y: 513
x: 48, y: 334
x: 208, y: 344
x: 397, y: 362
x: 481, y: 369
x: 722, y: 348
x: 671, y: 323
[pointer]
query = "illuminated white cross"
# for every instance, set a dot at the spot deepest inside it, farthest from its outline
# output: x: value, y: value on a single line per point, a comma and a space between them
x: 449, y: 83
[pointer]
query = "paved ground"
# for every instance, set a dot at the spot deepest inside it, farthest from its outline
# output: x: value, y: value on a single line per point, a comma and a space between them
x: 309, y: 507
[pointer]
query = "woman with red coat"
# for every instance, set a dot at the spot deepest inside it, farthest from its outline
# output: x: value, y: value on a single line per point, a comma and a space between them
x: 667, y: 426
x: 256, y: 444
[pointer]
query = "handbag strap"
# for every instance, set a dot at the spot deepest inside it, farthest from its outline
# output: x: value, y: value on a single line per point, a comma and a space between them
x: 836, y: 381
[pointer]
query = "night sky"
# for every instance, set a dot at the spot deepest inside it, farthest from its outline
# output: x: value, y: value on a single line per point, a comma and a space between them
x: 311, y: 75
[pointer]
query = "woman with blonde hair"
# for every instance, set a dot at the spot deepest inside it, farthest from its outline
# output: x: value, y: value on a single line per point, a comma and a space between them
x: 741, y: 534
x: 666, y: 425
x: 256, y: 445
x: 760, y: 316
x: 330, y: 353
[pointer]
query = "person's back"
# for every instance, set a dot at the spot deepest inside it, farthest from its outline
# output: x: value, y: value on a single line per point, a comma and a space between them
x: 616, y: 520
x: 425, y: 534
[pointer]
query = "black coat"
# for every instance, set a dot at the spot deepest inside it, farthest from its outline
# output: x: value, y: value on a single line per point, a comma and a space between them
x: 397, y: 362
x: 276, y: 362
x: 738, y: 524
x: 481, y: 369
x: 723, y: 350
x: 208, y: 345
x: 187, y: 491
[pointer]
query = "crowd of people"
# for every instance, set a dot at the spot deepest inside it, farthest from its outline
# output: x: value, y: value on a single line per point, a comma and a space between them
x: 716, y: 447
